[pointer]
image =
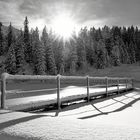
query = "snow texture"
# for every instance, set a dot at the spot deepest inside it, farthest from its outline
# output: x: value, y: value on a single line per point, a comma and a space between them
x: 113, y: 119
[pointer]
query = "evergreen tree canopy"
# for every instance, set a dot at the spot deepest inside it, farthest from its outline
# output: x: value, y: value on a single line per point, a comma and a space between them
x: 27, y: 48
x: 49, y: 56
x: 38, y: 55
x: 10, y: 37
x: 1, y: 40
x: 19, y: 53
x: 11, y: 60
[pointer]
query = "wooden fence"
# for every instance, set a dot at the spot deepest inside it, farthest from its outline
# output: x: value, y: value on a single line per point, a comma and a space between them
x: 102, y: 81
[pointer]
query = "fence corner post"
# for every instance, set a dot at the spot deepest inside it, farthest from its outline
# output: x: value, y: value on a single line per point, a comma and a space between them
x: 58, y: 92
x: 3, y: 90
x: 87, y: 80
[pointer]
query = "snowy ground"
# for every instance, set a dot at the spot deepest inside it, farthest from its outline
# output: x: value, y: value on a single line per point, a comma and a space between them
x: 117, y: 118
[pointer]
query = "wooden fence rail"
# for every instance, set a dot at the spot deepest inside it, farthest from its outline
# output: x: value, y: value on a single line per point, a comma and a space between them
x: 106, y: 81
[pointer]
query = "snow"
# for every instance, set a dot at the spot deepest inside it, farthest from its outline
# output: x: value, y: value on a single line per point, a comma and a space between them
x: 66, y: 94
x: 117, y: 118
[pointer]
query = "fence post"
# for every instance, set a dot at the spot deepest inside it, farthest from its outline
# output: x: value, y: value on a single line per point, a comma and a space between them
x: 126, y: 84
x: 58, y: 92
x: 132, y: 80
x: 3, y: 90
x: 106, y: 86
x: 87, y: 79
x: 118, y: 86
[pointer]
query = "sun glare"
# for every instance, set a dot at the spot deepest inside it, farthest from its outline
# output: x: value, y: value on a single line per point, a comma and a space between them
x: 63, y: 26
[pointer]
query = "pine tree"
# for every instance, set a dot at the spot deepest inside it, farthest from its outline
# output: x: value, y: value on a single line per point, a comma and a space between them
x: 49, y: 56
x: 73, y: 56
x: 38, y: 55
x: 127, y: 50
x: 117, y: 52
x: 19, y: 53
x: 32, y: 38
x: 116, y: 33
x: 81, y: 50
x: 126, y: 57
x: 132, y: 52
x: 10, y: 38
x: 137, y: 41
x: 101, y: 56
x: 91, y: 49
x: 123, y: 53
x: 88, y: 45
x: 115, y: 55
x: 59, y: 57
x: 98, y: 34
x: 10, y: 63
x: 1, y: 40
x: 90, y: 52
x: 28, y: 48
x: 106, y: 34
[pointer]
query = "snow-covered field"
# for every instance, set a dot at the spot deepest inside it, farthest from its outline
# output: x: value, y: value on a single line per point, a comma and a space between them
x: 117, y: 118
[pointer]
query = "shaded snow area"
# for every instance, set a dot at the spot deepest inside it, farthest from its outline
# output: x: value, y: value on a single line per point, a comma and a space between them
x: 117, y: 118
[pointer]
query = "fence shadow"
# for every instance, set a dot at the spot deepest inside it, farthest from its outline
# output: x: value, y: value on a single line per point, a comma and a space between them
x: 82, y: 104
x: 17, y: 121
x: 116, y: 110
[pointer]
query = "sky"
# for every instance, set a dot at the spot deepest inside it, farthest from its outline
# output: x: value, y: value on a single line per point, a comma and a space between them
x: 88, y: 13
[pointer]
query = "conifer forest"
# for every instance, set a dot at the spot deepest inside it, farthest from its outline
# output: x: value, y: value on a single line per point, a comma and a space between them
x: 28, y: 51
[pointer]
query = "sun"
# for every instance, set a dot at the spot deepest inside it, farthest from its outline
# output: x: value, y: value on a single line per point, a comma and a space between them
x: 63, y: 26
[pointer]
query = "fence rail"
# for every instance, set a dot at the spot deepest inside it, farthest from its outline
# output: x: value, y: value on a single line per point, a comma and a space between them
x: 102, y: 81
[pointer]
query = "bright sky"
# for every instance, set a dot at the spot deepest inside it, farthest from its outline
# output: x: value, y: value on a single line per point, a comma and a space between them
x: 77, y: 12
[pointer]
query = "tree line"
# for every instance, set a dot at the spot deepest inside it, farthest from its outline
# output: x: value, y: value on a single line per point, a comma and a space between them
x: 50, y: 54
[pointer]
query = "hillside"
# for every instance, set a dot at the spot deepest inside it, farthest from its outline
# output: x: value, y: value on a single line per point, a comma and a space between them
x: 5, y: 30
